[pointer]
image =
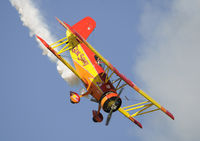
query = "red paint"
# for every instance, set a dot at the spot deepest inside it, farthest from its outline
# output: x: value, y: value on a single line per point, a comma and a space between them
x: 85, y: 27
x: 80, y: 29
x: 167, y: 112
x: 136, y: 122
x: 45, y: 44
x: 97, y: 117
x: 75, y: 98
x: 170, y: 115
x: 129, y: 82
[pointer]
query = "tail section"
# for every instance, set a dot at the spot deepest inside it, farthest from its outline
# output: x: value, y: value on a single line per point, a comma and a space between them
x: 85, y: 27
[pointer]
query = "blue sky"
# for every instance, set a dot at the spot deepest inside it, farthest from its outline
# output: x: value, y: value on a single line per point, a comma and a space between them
x: 34, y: 99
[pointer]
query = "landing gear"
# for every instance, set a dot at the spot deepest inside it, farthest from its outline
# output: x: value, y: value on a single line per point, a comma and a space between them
x: 74, y: 97
x: 97, y: 117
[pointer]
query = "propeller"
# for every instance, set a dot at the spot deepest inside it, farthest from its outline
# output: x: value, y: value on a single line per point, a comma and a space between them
x: 113, y: 106
x: 109, y: 115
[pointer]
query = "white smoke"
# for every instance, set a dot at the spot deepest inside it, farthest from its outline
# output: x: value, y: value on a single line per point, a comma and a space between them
x: 32, y: 18
x: 169, y: 66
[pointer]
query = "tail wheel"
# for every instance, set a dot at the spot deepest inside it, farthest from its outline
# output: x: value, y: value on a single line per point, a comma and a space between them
x: 97, y: 117
x: 74, y: 97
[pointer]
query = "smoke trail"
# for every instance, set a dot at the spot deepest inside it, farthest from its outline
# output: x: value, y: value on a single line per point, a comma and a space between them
x: 31, y: 18
x: 170, y: 68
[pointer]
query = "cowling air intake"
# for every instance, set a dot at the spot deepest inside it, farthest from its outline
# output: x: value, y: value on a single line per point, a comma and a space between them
x: 110, y: 101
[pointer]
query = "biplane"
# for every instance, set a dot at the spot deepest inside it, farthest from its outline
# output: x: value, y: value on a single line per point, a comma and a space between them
x: 96, y: 73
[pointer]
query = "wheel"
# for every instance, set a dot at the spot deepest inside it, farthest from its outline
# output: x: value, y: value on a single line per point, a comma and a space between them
x: 74, y: 97
x: 97, y: 117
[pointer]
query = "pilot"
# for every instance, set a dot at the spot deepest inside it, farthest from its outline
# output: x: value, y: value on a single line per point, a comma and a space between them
x: 99, y: 61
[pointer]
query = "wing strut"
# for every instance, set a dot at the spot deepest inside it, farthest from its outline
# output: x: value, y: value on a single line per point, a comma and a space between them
x: 59, y: 57
x: 126, y: 114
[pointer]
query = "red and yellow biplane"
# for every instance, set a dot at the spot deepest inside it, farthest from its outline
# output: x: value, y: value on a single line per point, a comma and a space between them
x: 96, y: 72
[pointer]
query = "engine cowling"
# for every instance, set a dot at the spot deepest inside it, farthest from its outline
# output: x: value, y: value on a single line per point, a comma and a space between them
x: 110, y: 99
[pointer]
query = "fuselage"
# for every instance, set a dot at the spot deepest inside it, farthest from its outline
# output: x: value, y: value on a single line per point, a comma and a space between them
x: 92, y: 73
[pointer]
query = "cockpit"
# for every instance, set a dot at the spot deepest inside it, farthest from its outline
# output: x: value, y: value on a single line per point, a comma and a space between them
x: 99, y: 62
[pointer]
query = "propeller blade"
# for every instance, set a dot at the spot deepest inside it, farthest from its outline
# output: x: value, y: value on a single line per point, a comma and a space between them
x: 126, y: 98
x: 112, y: 107
x: 120, y: 92
x: 109, y: 117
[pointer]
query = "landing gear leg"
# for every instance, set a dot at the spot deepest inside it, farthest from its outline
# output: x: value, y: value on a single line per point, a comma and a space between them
x: 97, y: 116
x: 75, y: 98
x: 85, y: 94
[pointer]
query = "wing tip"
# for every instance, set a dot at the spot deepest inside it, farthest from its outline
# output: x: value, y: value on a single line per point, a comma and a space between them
x: 64, y: 24
x: 43, y: 41
x: 170, y: 115
x: 136, y: 122
x: 167, y: 113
